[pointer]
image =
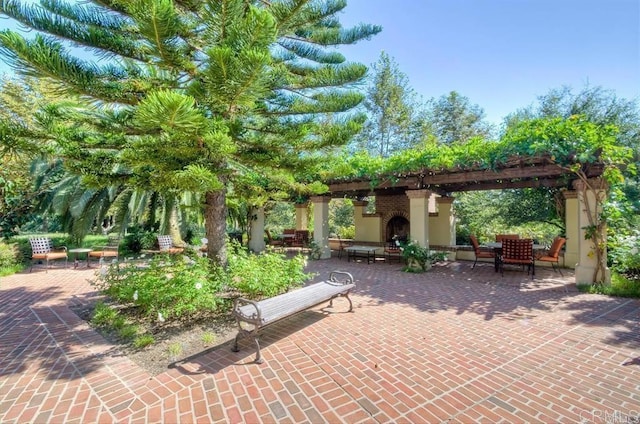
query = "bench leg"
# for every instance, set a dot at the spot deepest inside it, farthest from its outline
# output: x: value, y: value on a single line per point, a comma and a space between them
x: 342, y: 295
x: 258, y: 359
x: 246, y: 333
x: 235, y: 347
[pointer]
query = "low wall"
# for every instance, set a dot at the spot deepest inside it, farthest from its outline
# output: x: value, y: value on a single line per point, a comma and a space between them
x: 456, y: 253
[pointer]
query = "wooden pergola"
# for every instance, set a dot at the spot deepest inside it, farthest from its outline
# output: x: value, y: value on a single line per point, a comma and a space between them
x: 420, y: 185
x: 514, y: 174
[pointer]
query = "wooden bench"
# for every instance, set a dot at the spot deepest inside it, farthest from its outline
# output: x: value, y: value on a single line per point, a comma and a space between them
x: 262, y: 313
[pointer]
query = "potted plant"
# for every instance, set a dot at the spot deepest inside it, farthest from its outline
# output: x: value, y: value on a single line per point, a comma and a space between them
x: 419, y: 258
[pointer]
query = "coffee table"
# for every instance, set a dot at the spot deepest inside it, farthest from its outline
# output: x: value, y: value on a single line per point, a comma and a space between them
x: 354, y: 252
x: 77, y: 252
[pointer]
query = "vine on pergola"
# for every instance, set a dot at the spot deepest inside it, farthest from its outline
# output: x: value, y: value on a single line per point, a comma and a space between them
x: 573, y: 144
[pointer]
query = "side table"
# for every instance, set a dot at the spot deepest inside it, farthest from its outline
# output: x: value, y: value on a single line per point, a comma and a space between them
x: 77, y: 252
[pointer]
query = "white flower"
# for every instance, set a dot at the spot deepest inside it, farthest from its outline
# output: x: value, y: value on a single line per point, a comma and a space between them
x: 198, y: 285
x: 634, y: 251
x: 160, y: 317
x: 135, y: 295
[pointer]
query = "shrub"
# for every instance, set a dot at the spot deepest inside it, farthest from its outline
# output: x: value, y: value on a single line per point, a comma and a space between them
x: 625, y: 258
x: 8, y: 255
x: 208, y: 338
x: 128, y: 332
x: 103, y: 315
x: 347, y: 232
x: 265, y: 274
x: 139, y: 238
x: 143, y: 341
x: 10, y: 259
x: 170, y: 287
x: 174, y: 350
x: 620, y: 286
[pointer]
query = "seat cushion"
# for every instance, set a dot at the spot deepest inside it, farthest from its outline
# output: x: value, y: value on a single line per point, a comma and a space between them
x: 103, y: 254
x: 55, y: 255
x: 547, y: 259
x: 517, y: 261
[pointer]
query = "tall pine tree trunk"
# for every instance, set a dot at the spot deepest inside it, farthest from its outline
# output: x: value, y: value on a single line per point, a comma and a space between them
x: 174, y: 225
x: 215, y: 215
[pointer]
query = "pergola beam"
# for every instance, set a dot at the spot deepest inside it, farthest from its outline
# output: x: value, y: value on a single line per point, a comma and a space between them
x: 545, y: 175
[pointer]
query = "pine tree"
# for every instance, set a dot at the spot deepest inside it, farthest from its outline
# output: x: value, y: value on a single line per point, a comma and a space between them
x: 455, y: 120
x: 197, y: 95
x: 392, y: 110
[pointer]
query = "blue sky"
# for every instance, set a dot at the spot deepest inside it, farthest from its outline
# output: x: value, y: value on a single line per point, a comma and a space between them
x: 503, y: 54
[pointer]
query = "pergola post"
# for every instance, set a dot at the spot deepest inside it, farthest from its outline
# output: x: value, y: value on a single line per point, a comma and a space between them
x: 302, y: 218
x: 572, y: 225
x: 256, y: 230
x: 321, y: 224
x: 419, y: 215
x: 362, y: 230
x: 443, y: 231
x: 590, y: 201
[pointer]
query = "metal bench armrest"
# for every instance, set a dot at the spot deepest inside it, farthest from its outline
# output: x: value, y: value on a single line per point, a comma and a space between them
x: 347, y: 278
x: 254, y: 317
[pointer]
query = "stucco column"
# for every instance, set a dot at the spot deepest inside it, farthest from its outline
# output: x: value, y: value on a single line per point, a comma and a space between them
x: 302, y: 219
x: 571, y: 253
x: 586, y: 256
x: 321, y: 224
x: 256, y: 230
x: 419, y: 215
x: 359, y: 206
x: 443, y: 227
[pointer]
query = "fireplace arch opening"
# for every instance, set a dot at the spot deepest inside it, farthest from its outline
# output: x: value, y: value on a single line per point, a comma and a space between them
x: 398, y: 227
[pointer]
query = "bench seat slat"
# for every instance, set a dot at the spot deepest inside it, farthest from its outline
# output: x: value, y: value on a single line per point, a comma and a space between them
x: 295, y: 301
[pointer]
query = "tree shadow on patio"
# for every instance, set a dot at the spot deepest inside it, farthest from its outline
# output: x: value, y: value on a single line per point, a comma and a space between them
x: 454, y: 286
x: 218, y: 357
x: 51, y: 336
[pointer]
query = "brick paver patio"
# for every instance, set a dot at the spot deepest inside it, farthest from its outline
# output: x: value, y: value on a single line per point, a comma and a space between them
x: 451, y: 345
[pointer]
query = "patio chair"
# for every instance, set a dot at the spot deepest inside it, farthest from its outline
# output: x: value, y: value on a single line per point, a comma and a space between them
x: 479, y: 253
x: 342, y: 244
x: 289, y: 235
x: 275, y: 243
x: 500, y: 237
x: 165, y: 244
x: 553, y: 254
x: 300, y: 239
x: 392, y: 250
x: 42, y: 250
x: 108, y: 251
x: 518, y: 252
